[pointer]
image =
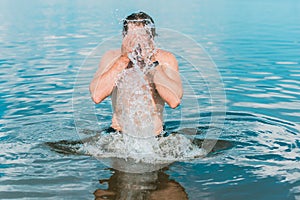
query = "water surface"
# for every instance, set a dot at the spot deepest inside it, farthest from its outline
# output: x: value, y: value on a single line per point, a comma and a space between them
x: 256, y: 48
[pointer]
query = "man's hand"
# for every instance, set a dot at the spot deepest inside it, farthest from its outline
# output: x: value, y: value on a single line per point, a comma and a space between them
x: 121, y: 63
x: 128, y: 44
x: 138, y: 43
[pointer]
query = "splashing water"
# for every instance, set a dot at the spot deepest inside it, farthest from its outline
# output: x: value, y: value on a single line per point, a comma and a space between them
x: 137, y: 109
x: 135, y: 101
x: 133, y: 91
x: 175, y: 147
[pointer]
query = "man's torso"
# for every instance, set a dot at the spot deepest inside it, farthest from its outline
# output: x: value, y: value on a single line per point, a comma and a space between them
x: 157, y: 103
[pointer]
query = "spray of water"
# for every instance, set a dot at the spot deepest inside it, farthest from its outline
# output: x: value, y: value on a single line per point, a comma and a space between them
x: 136, y: 111
x: 175, y: 147
x: 133, y: 95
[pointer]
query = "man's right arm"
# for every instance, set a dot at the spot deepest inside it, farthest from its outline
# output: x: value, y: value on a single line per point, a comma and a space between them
x: 104, y: 81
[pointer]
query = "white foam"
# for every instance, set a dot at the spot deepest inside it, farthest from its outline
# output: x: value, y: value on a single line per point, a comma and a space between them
x: 153, y: 150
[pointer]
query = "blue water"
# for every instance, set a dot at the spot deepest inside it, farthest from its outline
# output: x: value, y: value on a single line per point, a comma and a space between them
x: 256, y: 47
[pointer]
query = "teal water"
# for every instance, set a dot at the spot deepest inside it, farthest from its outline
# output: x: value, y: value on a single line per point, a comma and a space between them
x: 256, y: 47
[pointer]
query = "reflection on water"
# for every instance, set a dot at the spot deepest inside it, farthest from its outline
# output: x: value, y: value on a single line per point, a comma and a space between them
x: 151, y: 185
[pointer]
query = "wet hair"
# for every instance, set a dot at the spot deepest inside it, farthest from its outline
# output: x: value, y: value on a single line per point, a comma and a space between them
x: 137, y: 18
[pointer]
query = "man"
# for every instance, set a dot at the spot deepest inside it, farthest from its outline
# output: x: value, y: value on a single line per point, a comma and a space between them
x: 165, y: 80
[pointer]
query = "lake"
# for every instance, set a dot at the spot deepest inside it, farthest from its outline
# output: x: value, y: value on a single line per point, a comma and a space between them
x: 249, y: 79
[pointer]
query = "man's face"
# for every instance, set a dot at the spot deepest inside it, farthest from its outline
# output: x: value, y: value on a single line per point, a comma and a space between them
x: 137, y: 36
x: 134, y: 27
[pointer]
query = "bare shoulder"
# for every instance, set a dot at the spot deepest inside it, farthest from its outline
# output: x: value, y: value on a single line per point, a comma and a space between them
x: 166, y: 57
x: 111, y: 55
x: 108, y: 59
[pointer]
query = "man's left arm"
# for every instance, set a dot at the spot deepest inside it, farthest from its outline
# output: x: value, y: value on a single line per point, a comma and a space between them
x: 167, y: 80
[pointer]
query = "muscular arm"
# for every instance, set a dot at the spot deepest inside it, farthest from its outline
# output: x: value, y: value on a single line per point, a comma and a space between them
x: 104, y: 81
x: 167, y: 80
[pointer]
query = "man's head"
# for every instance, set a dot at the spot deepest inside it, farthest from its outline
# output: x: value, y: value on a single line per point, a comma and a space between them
x: 139, y: 19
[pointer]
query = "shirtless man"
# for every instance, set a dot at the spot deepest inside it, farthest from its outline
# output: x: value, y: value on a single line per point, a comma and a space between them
x: 165, y: 80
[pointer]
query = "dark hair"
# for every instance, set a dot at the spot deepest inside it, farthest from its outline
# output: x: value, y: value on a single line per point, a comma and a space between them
x: 137, y: 18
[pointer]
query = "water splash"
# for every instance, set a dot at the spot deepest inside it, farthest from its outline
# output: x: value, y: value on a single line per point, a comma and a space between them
x: 143, y: 47
x: 135, y: 103
x: 136, y: 110
x: 134, y: 94
x: 175, y: 147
